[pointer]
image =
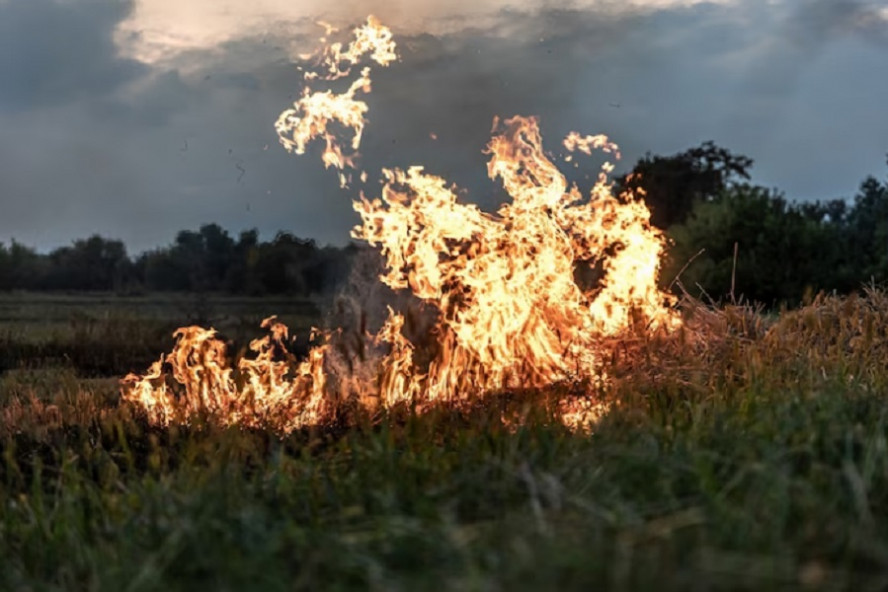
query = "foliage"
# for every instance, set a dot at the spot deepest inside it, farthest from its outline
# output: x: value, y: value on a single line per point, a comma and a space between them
x: 748, y: 241
x: 867, y: 229
x: 671, y: 185
x: 206, y: 260
x: 783, y: 251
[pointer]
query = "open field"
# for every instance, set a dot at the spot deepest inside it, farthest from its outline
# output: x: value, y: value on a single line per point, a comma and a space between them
x: 742, y: 453
x: 101, y: 335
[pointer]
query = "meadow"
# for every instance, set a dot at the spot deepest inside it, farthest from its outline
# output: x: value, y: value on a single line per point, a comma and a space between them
x: 747, y: 451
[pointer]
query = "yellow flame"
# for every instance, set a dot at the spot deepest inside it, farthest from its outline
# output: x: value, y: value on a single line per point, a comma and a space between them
x: 266, y: 392
x: 510, y: 311
x: 311, y: 115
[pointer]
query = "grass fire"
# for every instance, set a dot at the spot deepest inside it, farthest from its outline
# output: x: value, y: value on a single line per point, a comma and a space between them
x: 556, y: 376
x: 508, y: 312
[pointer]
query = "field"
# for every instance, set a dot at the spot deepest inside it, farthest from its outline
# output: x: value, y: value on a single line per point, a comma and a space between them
x: 746, y: 452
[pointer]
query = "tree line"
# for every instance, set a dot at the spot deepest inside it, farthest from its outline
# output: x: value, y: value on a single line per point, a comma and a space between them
x: 731, y: 238
x: 727, y: 237
x: 204, y: 260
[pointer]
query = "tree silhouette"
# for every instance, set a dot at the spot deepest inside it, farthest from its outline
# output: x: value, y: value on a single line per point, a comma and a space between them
x: 671, y: 185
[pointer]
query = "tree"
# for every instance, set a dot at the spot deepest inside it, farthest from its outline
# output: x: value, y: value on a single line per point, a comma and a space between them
x: 162, y: 271
x: 21, y: 267
x: 204, y: 260
x: 867, y: 229
x: 281, y: 264
x: 241, y: 275
x: 203, y: 257
x: 89, y: 264
x: 783, y: 250
x: 671, y: 185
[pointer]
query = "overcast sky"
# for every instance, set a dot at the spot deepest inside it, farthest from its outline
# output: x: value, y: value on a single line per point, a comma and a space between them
x: 138, y: 119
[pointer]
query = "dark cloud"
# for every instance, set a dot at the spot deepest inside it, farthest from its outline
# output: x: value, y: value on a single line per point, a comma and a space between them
x: 815, y: 22
x: 159, y: 98
x: 801, y: 32
x: 52, y: 51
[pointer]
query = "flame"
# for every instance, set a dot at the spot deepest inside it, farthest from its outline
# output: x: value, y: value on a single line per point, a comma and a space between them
x: 509, y: 311
x: 265, y: 391
x: 311, y: 115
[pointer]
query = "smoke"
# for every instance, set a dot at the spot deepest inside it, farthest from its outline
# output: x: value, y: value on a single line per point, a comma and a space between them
x: 358, y: 311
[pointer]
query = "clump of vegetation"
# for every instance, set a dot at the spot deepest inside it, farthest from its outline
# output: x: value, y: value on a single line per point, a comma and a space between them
x: 746, y: 451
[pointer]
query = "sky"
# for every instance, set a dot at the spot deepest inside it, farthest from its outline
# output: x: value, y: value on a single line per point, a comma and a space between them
x: 134, y: 119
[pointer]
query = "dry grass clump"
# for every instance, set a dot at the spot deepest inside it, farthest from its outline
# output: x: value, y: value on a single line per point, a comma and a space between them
x: 835, y: 336
x: 37, y: 401
x: 709, y: 352
x: 722, y: 351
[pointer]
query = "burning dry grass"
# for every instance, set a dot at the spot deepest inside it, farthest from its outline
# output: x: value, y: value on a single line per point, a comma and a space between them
x: 507, y: 311
x: 834, y: 342
x: 726, y: 352
x: 720, y: 352
x: 745, y: 451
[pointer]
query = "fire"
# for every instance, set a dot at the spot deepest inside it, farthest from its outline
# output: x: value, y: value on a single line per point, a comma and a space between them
x: 266, y: 391
x: 311, y: 116
x: 509, y: 311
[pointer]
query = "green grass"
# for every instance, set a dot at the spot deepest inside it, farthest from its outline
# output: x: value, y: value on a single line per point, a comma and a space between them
x: 740, y: 454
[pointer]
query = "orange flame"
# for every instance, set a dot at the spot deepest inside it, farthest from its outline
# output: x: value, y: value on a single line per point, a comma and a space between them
x: 310, y: 116
x: 265, y: 392
x: 510, y: 311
